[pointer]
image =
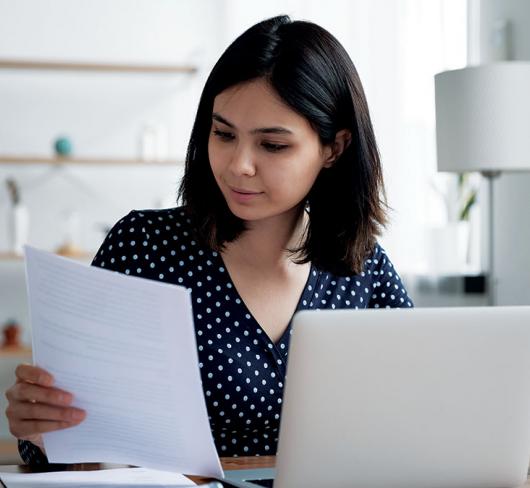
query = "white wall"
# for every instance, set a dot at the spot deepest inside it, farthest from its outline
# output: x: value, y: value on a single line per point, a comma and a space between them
x: 512, y: 198
x: 103, y: 114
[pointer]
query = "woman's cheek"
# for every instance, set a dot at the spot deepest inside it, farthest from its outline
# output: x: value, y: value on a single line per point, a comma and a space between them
x: 214, y: 155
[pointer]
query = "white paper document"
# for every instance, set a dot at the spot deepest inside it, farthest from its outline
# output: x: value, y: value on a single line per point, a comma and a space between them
x: 124, y: 477
x: 125, y: 348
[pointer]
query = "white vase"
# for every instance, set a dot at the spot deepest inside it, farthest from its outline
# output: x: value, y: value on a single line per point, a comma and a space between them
x: 154, y: 142
x: 448, y: 248
x: 148, y: 143
x: 18, y: 228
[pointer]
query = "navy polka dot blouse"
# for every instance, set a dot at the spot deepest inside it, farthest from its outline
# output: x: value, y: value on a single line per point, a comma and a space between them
x: 243, y: 371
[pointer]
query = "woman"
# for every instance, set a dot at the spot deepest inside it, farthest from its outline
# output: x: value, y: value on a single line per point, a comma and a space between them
x: 283, y: 200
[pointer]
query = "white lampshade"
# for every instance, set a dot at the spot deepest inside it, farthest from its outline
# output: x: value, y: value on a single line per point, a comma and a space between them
x: 483, y: 118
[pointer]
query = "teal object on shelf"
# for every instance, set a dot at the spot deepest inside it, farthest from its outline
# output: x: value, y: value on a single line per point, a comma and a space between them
x: 63, y: 146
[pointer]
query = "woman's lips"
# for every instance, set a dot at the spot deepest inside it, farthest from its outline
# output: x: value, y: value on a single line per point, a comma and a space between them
x: 241, y: 190
x: 242, y: 195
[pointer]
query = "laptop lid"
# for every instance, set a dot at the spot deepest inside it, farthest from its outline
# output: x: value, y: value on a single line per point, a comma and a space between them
x: 407, y: 398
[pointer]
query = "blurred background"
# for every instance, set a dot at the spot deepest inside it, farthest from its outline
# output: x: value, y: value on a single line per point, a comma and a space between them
x: 97, y: 102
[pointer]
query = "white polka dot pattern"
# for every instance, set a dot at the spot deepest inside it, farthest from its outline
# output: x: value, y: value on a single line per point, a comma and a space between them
x: 243, y: 371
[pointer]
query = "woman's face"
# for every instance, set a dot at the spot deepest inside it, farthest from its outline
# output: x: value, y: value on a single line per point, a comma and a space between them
x: 264, y: 156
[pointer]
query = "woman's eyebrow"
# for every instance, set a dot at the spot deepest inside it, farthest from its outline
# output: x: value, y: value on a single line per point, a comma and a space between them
x: 262, y: 130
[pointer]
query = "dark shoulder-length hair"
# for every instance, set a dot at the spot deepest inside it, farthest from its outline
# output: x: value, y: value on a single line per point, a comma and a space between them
x: 313, y: 74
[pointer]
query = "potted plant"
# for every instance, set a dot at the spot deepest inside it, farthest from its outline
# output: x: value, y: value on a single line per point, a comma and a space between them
x: 449, y: 245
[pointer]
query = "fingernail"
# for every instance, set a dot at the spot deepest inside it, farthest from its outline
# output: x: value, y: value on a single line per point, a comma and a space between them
x: 46, y: 379
x: 78, y: 415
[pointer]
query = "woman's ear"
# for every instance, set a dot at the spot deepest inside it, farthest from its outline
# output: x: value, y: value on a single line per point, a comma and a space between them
x: 342, y: 141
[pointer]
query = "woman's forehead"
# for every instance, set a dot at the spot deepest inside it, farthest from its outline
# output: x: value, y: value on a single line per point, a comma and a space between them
x: 256, y: 104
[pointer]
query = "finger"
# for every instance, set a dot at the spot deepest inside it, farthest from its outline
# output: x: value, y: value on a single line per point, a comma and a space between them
x: 37, y: 411
x: 27, y: 392
x: 33, y: 374
x: 28, y: 428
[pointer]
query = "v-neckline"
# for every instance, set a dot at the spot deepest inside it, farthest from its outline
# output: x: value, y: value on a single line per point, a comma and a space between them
x: 220, y: 259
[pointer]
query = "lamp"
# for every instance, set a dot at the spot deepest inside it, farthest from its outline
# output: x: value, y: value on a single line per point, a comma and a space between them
x: 483, y: 124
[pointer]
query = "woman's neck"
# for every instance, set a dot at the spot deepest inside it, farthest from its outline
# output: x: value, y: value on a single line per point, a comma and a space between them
x: 265, y: 243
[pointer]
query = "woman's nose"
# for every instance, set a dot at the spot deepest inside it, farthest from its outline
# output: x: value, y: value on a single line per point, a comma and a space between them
x: 242, y: 161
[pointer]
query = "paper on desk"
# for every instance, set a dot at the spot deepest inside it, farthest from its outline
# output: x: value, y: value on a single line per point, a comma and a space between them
x: 125, y: 348
x: 121, y: 477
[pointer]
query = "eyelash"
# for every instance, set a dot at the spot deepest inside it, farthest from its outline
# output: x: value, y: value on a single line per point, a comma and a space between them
x: 227, y: 137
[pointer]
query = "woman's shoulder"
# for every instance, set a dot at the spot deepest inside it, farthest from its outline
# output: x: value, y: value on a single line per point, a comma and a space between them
x: 378, y: 284
x: 375, y: 261
x: 175, y: 217
x: 148, y: 234
x: 153, y: 224
x: 388, y: 288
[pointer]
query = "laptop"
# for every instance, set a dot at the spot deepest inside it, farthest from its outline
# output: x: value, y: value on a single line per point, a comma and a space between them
x: 430, y: 398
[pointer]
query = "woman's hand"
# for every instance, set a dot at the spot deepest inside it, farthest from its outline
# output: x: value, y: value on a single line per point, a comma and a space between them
x: 35, y: 406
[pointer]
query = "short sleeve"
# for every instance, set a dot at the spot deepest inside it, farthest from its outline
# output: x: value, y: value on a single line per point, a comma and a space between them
x: 389, y: 291
x: 122, y: 246
x: 31, y: 454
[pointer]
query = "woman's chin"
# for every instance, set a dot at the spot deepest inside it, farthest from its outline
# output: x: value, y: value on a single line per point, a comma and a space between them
x: 244, y: 213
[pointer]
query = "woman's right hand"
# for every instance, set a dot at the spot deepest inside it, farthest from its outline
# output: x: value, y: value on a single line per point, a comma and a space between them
x: 35, y: 406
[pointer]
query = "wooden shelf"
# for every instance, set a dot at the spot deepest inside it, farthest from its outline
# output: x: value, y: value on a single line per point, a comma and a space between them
x: 85, y: 161
x: 15, y: 352
x: 19, y: 64
x: 7, y: 256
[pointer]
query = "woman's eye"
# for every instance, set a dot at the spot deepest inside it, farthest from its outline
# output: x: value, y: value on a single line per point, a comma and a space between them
x: 225, y: 136
x: 273, y: 147
x: 268, y: 146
